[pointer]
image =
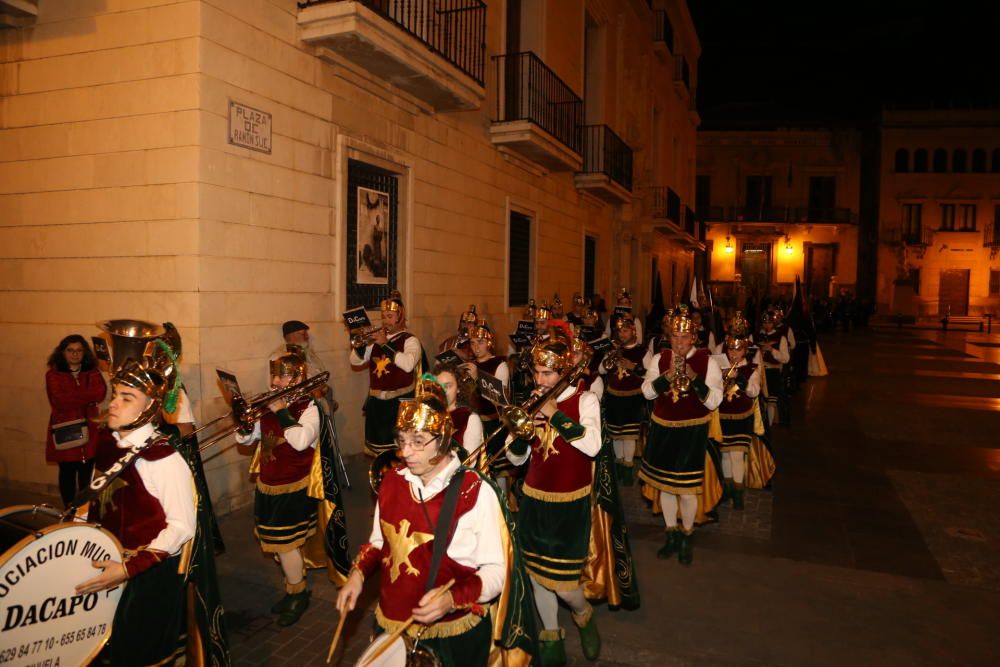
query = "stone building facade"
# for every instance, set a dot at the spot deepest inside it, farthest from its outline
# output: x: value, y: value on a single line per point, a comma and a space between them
x: 230, y: 164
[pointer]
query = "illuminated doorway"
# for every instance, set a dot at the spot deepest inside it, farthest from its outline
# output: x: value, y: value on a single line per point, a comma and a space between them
x: 755, y: 265
x: 953, y: 292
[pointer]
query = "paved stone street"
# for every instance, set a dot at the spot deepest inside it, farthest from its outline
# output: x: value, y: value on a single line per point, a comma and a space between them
x: 879, y: 543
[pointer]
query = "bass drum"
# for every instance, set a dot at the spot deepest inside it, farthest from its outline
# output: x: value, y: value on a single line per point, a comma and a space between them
x: 401, y: 652
x: 42, y: 559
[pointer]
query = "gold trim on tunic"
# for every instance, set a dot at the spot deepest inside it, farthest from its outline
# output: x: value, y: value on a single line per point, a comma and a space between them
x: 436, y: 630
x: 682, y: 423
x: 387, y: 394
x: 279, y: 489
x: 556, y: 496
x: 735, y: 415
x: 623, y: 392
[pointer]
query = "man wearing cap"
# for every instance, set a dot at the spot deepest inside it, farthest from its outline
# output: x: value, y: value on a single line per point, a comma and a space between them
x: 685, y: 385
x: 554, y: 516
x: 153, y: 509
x: 296, y: 333
x: 392, y: 359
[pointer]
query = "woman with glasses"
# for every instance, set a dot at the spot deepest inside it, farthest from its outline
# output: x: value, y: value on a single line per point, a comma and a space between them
x: 75, y: 387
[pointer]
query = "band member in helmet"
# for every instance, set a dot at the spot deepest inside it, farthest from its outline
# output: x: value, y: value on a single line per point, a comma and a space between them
x: 468, y: 427
x: 285, y: 515
x: 624, y: 404
x: 575, y: 316
x: 685, y: 385
x: 460, y: 340
x: 739, y: 412
x: 392, y: 360
x: 485, y: 360
x: 410, y: 516
x: 774, y: 348
x: 554, y: 515
x: 624, y: 307
x: 154, y: 510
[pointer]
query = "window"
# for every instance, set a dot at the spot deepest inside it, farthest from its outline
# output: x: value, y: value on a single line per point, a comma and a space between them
x: 994, y: 283
x: 958, y: 158
x: 995, y: 161
x: 967, y: 218
x: 911, y: 222
x: 589, y: 265
x: 758, y: 195
x: 519, y: 261
x: 947, y: 218
x: 902, y: 160
x: 940, y: 161
x: 979, y: 161
x: 822, y: 198
x: 920, y: 161
x: 702, y: 195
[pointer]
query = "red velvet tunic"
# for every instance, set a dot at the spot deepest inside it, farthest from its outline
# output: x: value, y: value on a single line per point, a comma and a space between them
x: 73, y: 398
x: 460, y: 420
x: 689, y: 406
x: 738, y: 403
x: 280, y: 463
x: 622, y: 382
x: 559, y: 468
x: 383, y: 374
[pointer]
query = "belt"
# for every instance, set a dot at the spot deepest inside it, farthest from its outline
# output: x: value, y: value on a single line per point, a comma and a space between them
x: 386, y: 394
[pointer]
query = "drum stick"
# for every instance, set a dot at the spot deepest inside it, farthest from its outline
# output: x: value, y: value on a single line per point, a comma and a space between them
x: 396, y: 635
x: 336, y: 636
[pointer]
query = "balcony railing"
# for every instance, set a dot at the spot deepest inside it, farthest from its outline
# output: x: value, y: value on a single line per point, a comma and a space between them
x: 991, y: 236
x: 454, y: 29
x: 682, y: 72
x: 920, y: 237
x: 785, y: 214
x: 18, y: 13
x: 665, y: 203
x: 529, y: 90
x: 604, y: 152
x: 663, y: 29
x: 689, y: 222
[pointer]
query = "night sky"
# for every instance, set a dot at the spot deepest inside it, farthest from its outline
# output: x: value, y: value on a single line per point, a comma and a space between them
x: 777, y: 62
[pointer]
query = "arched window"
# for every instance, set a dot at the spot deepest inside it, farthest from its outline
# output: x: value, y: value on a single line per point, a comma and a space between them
x: 920, y: 161
x: 958, y: 161
x: 979, y: 160
x: 902, y: 160
x: 940, y: 165
x: 995, y: 161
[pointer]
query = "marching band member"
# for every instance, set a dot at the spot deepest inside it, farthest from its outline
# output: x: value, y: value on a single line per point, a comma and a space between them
x: 392, y: 359
x: 285, y: 515
x: 153, y: 508
x: 704, y: 337
x: 296, y: 333
x: 575, y: 316
x: 468, y: 427
x: 460, y: 340
x: 624, y: 303
x: 484, y: 360
x: 418, y: 502
x: 739, y: 412
x: 554, y: 516
x: 774, y: 348
x: 624, y: 403
x: 592, y: 380
x: 686, y: 386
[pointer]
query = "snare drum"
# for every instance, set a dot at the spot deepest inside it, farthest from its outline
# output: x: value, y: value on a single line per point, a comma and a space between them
x: 42, y: 621
x: 400, y: 653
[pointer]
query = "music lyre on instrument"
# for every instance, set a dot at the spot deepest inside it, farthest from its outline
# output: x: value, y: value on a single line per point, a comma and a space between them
x: 406, y: 624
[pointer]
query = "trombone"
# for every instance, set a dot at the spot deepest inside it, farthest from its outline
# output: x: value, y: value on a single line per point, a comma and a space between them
x: 246, y: 411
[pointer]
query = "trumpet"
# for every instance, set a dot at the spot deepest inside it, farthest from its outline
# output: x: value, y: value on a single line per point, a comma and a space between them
x: 729, y: 381
x: 610, y: 360
x: 680, y: 383
x: 365, y: 336
x: 246, y: 411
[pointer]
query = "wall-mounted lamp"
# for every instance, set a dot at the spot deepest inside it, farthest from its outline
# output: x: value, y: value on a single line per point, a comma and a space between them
x: 729, y: 244
x: 788, y: 245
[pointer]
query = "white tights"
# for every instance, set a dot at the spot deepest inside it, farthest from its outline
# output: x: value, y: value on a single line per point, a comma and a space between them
x: 293, y: 566
x: 624, y: 449
x: 689, y: 509
x: 547, y: 602
x: 734, y: 466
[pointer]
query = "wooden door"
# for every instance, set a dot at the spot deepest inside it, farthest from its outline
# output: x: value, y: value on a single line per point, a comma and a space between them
x: 953, y: 292
x: 819, y: 268
x: 755, y: 265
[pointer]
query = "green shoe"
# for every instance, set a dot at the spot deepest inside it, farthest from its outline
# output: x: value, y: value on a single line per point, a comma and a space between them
x: 685, y: 550
x: 590, y: 639
x: 297, y: 605
x: 628, y: 476
x: 552, y: 648
x: 738, y: 497
x: 670, y: 545
x: 282, y: 604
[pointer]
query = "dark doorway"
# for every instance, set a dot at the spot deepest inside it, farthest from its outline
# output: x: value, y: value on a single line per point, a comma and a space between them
x: 953, y: 292
x: 755, y: 265
x: 821, y: 264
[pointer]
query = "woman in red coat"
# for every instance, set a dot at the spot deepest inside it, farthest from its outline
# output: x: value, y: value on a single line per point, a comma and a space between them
x: 75, y: 387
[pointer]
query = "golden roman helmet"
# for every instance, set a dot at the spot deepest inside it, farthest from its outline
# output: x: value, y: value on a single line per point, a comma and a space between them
x: 543, y: 312
x: 738, y: 337
x: 557, y: 306
x: 623, y: 295
x: 427, y: 411
x: 577, y: 299
x: 392, y: 303
x: 292, y: 363
x: 144, y: 356
x: 530, y: 310
x: 556, y: 351
x: 589, y: 311
x: 482, y: 332
x: 624, y: 321
x: 680, y: 320
x: 768, y: 318
x: 469, y: 316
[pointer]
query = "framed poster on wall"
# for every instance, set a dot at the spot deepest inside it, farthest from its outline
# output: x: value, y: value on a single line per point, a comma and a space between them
x: 372, y: 233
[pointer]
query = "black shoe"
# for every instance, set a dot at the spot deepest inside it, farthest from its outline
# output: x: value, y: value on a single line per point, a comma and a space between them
x: 738, y: 498
x: 727, y: 490
x: 282, y: 604
x: 685, y: 550
x: 296, y: 607
x: 670, y: 545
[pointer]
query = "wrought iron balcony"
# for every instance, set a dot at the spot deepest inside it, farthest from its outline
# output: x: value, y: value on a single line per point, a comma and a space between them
x: 682, y: 74
x: 919, y: 238
x: 433, y: 49
x: 537, y: 114
x: 18, y: 13
x: 664, y: 204
x: 663, y: 31
x: 607, y: 165
x: 779, y: 214
x: 991, y: 236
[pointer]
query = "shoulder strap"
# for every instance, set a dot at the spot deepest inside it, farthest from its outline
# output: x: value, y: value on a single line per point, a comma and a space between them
x: 443, y: 527
x: 102, y: 479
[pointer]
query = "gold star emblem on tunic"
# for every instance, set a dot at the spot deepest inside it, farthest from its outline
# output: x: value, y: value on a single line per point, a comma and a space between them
x: 621, y: 373
x: 547, y: 439
x: 400, y: 545
x: 731, y: 391
x: 267, y: 444
x: 381, y: 366
x: 104, y: 498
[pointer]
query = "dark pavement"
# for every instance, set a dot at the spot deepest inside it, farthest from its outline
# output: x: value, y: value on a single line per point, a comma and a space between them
x: 879, y: 543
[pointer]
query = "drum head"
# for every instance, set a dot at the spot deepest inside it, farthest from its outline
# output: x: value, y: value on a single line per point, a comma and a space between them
x: 42, y: 620
x: 394, y: 656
